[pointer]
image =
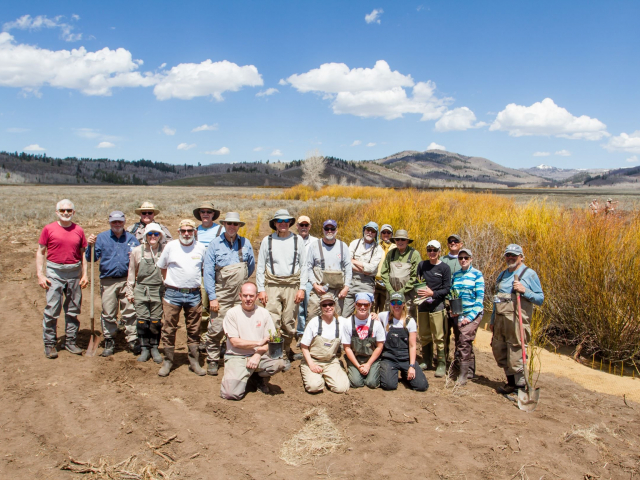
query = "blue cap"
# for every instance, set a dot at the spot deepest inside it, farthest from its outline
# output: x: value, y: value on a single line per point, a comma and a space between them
x: 333, y: 223
x: 364, y: 296
x: 116, y: 216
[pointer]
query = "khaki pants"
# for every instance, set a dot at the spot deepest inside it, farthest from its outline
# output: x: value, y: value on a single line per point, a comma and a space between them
x: 314, y: 309
x: 236, y: 374
x: 227, y: 298
x: 206, y: 314
x: 332, y: 374
x: 283, y: 309
x: 113, y: 297
x: 431, y: 329
x: 505, y: 343
x: 171, y: 317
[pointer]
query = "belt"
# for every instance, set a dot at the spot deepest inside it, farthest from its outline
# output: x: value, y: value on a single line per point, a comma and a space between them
x: 183, y: 290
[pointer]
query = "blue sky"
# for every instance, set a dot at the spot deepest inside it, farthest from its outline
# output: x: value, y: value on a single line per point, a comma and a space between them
x: 520, y: 83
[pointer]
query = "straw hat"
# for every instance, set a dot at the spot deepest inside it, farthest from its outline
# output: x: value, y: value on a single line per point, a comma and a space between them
x: 281, y: 214
x: 207, y: 206
x: 401, y: 235
x: 232, y: 217
x: 146, y: 207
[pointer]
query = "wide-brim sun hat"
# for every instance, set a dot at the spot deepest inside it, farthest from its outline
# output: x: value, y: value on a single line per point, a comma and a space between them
x: 401, y: 235
x: 208, y: 206
x: 281, y: 214
x: 232, y: 217
x: 146, y: 207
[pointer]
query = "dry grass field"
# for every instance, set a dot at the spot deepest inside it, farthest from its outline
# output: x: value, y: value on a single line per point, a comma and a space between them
x: 96, y: 418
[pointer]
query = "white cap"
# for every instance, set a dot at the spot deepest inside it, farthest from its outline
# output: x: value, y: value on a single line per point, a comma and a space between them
x: 434, y: 243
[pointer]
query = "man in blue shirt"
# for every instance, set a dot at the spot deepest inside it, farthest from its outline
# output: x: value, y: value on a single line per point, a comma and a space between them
x: 228, y: 263
x: 112, y: 248
x: 505, y: 325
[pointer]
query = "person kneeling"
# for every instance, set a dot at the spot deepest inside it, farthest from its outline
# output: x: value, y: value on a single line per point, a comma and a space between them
x: 321, y: 349
x: 399, y: 352
x: 247, y: 328
x: 363, y: 339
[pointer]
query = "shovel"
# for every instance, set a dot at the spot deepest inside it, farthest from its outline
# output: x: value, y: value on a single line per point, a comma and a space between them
x: 527, y: 399
x: 93, y: 339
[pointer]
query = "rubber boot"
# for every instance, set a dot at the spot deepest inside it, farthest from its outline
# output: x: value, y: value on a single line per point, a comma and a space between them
x: 441, y: 371
x: 509, y: 387
x: 155, y: 354
x: 462, y: 376
x: 212, y: 368
x: 109, y: 347
x: 135, y: 347
x: 145, y: 354
x: 194, y: 364
x: 471, y: 374
x: 168, y: 361
x: 427, y: 357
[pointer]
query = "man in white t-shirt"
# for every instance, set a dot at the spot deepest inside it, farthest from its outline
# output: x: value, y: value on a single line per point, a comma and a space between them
x: 181, y: 267
x: 363, y: 339
x: 247, y: 327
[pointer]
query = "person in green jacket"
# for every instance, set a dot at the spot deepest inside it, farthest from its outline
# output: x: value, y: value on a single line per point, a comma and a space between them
x: 400, y: 269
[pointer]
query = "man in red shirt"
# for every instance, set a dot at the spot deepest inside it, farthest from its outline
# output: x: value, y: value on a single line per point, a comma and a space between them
x: 62, y: 243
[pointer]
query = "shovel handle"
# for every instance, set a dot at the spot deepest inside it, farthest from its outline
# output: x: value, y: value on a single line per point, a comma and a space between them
x: 93, y: 258
x: 522, y: 343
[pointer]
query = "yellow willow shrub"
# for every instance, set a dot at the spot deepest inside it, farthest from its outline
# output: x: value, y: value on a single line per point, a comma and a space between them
x: 589, y: 267
x: 303, y: 192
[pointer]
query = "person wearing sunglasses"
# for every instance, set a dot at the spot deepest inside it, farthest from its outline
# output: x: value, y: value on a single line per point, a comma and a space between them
x: 380, y: 295
x: 148, y: 212
x: 145, y: 290
x: 181, y: 267
x: 468, y: 283
x: 228, y: 263
x: 454, y: 244
x: 330, y: 270
x: 281, y: 277
x: 400, y: 268
x: 113, y: 248
x: 303, y: 225
x: 506, y: 346
x: 321, y: 350
x: 205, y: 233
x: 363, y: 340
x: 399, y: 352
x: 62, y: 245
x: 436, y: 278
x: 365, y: 259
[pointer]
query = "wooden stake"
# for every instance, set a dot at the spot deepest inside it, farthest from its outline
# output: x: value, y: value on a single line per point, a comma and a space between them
x: 600, y: 364
x: 622, y: 369
x: 609, y: 366
x: 614, y: 368
x: 593, y: 361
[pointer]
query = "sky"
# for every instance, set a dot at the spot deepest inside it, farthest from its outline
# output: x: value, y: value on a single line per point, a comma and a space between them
x: 519, y: 83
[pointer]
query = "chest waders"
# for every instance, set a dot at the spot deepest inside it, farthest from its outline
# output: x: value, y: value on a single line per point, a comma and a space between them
x: 147, y: 295
x: 229, y: 279
x: 332, y: 278
x: 324, y: 350
x: 362, y: 347
x: 400, y: 272
x: 396, y: 346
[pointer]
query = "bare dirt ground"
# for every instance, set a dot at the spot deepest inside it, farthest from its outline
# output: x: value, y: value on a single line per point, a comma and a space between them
x: 108, y: 410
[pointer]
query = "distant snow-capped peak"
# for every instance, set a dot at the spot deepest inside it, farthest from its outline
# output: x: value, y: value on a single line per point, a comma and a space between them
x: 542, y: 166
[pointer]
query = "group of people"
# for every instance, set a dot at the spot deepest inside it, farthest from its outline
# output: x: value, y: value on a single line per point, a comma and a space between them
x: 373, y: 299
x: 609, y: 206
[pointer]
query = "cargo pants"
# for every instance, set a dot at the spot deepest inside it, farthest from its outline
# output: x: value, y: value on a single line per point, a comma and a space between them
x: 236, y: 374
x: 112, y: 295
x: 65, y: 281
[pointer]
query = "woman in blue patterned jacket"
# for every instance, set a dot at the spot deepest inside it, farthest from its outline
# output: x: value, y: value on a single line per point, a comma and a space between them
x: 468, y: 283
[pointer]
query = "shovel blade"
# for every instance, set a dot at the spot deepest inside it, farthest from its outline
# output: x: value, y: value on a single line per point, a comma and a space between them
x: 528, y: 400
x: 94, y: 341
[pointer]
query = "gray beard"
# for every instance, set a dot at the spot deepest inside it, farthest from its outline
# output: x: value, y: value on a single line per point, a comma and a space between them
x: 184, y: 242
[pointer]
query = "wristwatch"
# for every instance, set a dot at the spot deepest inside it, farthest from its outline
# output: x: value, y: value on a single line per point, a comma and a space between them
x: 412, y: 365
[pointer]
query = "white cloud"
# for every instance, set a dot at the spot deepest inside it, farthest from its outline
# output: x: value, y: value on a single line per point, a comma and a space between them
x: 547, y: 118
x: 371, y: 144
x: 17, y: 130
x: 205, y: 128
x: 168, y: 130
x: 189, y: 80
x: 374, y: 17
x: 186, y: 146
x: 541, y: 154
x: 633, y: 159
x: 276, y: 153
x: 105, y: 145
x: 27, y: 22
x: 75, y: 17
x: 435, y: 146
x: 164, y: 64
x: 563, y: 153
x: 221, y: 151
x: 267, y: 92
x: 258, y: 149
x: 283, y: 82
x: 371, y: 92
x: 461, y: 118
x: 629, y: 143
x: 33, y: 148
x: 94, y: 134
x: 356, y: 143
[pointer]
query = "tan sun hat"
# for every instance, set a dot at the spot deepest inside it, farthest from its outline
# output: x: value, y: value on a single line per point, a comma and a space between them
x: 208, y: 206
x: 145, y: 207
x: 232, y: 217
x: 401, y: 235
x: 304, y: 218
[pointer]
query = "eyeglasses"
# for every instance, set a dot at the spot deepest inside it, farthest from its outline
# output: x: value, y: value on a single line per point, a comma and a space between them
x: 304, y: 225
x: 186, y: 231
x: 369, y: 230
x: 362, y: 305
x: 65, y: 210
x: 329, y: 229
x: 401, y: 240
x: 327, y: 305
x: 453, y: 241
x: 233, y: 224
x: 206, y: 212
x: 464, y: 258
x: 386, y: 233
x: 147, y: 213
x: 510, y: 255
x: 396, y: 302
x: 431, y: 250
x: 153, y: 234
x: 282, y: 220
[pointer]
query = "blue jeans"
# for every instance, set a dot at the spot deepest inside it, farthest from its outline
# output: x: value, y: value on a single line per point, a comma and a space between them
x: 175, y: 297
x: 302, y: 310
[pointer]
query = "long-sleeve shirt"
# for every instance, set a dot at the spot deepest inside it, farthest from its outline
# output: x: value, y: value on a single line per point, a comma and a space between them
x: 335, y: 258
x: 113, y: 253
x: 530, y: 281
x: 283, y: 254
x: 370, y: 255
x: 453, y: 263
x: 438, y: 279
x: 386, y: 247
x: 469, y: 284
x: 220, y: 254
x: 394, y: 255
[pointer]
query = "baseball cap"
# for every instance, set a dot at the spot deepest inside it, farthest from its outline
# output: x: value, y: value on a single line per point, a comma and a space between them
x: 304, y: 218
x: 116, y: 216
x: 333, y: 223
x: 514, y: 248
x: 465, y: 250
x: 434, y: 243
x: 453, y: 235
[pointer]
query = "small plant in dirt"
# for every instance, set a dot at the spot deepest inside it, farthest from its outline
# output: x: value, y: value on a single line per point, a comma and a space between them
x: 275, y: 337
